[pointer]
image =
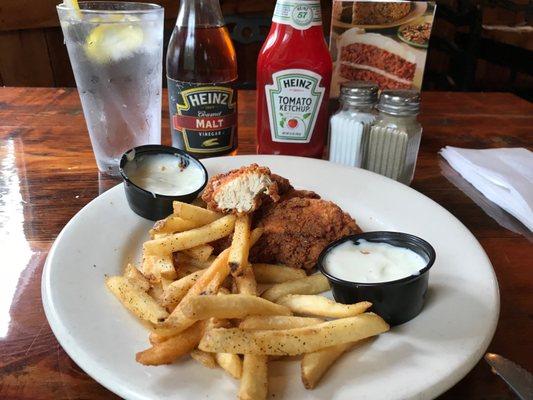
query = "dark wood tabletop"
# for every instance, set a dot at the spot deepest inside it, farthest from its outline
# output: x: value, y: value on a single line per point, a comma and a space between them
x: 48, y: 173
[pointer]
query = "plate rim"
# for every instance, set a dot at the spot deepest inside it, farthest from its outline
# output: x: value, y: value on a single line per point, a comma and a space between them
x: 89, y: 366
x: 78, y: 355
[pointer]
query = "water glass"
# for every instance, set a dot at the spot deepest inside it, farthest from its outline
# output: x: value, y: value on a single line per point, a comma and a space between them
x: 116, y: 50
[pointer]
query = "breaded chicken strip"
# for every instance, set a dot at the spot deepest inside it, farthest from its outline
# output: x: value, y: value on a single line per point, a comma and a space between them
x: 242, y: 190
x: 296, y: 230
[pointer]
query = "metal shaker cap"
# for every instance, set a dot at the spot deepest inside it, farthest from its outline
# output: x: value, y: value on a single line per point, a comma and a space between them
x: 359, y: 93
x: 399, y: 102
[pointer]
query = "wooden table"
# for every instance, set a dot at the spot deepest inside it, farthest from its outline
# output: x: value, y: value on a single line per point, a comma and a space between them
x: 48, y: 173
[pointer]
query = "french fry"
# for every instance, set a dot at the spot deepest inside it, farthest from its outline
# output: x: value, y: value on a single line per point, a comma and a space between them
x: 245, y: 283
x: 136, y: 277
x: 219, y: 279
x: 194, y: 213
x: 322, y: 306
x: 276, y: 322
x: 165, y: 283
x: 154, y: 338
x: 231, y: 363
x: 293, y: 341
x: 200, y: 253
x: 171, y: 307
x: 201, y: 264
x: 195, y: 237
x: 156, y: 292
x: 210, y: 280
x: 223, y: 290
x: 244, y: 277
x: 229, y: 306
x: 172, y: 224
x: 184, y: 271
x: 315, y: 365
x: 160, y: 235
x: 175, y: 323
x: 177, y: 290
x: 149, y: 270
x: 206, y: 359
x: 155, y: 267
x: 240, y: 245
x: 186, y: 265
x: 213, y: 323
x: 135, y: 299
x: 162, y: 333
x: 266, y: 323
x: 255, y: 235
x: 183, y: 260
x: 165, y: 266
x: 313, y: 284
x: 171, y: 349
x: 271, y: 273
x: 254, y: 381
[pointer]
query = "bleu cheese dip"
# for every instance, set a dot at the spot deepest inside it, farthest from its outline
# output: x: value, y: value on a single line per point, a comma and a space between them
x: 363, y: 261
x: 164, y: 174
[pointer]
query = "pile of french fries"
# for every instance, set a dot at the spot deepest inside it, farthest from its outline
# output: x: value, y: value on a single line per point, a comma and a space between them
x: 209, y: 307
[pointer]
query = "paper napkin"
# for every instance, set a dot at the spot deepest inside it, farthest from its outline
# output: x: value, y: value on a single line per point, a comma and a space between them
x: 504, y: 176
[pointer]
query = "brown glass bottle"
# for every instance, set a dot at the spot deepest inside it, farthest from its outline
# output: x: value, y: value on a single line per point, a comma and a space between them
x: 201, y: 73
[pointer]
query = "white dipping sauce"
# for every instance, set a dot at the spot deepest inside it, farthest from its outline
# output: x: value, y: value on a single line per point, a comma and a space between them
x: 164, y: 174
x: 369, y: 262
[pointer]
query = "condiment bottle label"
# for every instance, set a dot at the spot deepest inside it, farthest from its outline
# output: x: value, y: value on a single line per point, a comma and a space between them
x: 204, y: 117
x: 298, y: 14
x: 293, y: 102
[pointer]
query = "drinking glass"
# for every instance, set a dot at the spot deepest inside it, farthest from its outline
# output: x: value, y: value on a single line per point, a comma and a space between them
x: 116, y: 51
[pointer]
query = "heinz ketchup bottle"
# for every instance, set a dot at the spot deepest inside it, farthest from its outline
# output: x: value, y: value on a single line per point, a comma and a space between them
x: 293, y: 78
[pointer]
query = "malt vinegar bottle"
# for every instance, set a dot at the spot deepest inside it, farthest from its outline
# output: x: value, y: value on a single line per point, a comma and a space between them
x: 201, y: 74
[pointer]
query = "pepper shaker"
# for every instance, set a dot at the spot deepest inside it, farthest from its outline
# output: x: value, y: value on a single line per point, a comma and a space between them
x: 394, y: 139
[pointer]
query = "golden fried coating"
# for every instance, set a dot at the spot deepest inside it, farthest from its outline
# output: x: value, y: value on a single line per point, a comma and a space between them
x: 297, y: 224
x: 297, y: 229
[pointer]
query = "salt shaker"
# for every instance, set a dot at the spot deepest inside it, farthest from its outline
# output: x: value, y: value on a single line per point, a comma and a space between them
x: 351, y: 123
x: 394, y: 139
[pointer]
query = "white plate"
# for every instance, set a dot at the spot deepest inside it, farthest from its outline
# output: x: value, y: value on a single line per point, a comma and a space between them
x: 420, y: 359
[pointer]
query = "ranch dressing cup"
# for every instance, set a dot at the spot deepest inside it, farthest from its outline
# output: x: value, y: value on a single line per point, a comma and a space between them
x: 394, y: 139
x: 350, y: 125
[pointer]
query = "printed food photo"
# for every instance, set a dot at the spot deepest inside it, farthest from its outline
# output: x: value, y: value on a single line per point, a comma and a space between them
x: 381, y: 42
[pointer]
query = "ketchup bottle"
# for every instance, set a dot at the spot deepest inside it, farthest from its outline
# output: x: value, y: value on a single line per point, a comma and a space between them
x: 293, y: 79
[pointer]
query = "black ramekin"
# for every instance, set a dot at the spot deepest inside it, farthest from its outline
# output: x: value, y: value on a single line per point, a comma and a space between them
x: 150, y: 205
x: 395, y: 301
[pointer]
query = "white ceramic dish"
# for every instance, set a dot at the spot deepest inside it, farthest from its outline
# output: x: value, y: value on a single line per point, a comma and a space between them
x: 418, y: 360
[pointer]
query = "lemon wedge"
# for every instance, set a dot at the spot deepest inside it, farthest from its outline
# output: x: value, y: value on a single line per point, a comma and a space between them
x: 113, y: 42
x: 74, y: 6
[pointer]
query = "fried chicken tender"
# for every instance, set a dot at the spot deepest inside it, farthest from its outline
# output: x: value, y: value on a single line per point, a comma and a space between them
x: 298, y: 224
x: 298, y: 228
x: 243, y: 190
